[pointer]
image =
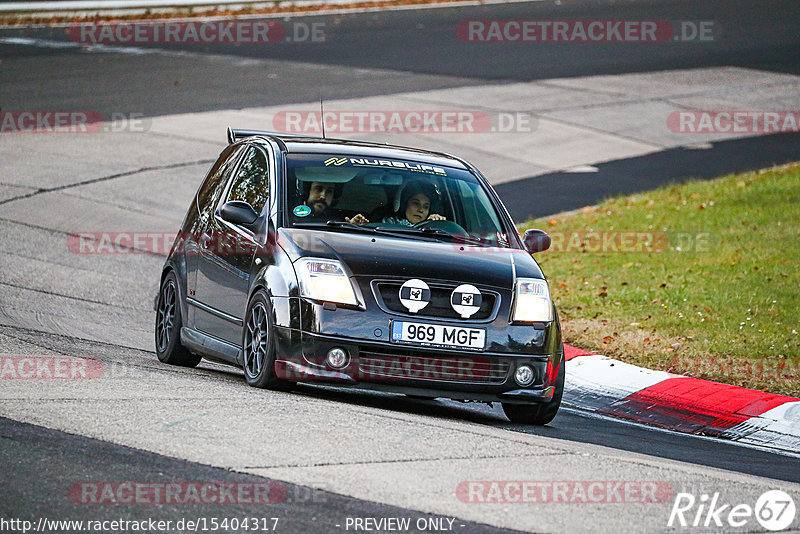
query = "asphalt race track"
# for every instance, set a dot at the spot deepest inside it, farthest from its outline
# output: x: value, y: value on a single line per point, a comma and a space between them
x: 335, y: 456
x: 414, y: 50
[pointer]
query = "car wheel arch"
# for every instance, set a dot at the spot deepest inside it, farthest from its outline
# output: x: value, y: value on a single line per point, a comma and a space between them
x: 261, y: 285
x: 272, y: 280
x: 170, y: 267
x: 174, y: 352
x: 256, y: 288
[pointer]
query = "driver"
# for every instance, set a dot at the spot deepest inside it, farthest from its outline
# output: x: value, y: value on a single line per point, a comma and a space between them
x: 321, y: 197
x: 415, y: 206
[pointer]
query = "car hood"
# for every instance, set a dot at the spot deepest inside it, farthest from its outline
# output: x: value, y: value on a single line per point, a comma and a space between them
x: 387, y: 256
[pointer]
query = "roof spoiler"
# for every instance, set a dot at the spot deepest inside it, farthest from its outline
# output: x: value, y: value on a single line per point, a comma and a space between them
x: 237, y: 135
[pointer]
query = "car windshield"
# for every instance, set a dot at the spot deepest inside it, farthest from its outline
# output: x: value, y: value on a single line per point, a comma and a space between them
x: 400, y: 197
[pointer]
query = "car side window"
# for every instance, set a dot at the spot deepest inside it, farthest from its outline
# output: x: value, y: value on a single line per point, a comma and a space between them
x: 251, y: 183
x: 217, y: 177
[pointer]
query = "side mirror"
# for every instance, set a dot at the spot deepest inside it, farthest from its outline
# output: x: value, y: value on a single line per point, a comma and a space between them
x: 238, y: 212
x: 536, y: 240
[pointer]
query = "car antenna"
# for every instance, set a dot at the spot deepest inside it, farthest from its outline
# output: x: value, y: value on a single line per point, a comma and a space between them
x: 322, y: 116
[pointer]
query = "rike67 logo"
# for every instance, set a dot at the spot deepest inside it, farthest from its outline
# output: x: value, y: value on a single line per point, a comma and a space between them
x: 774, y: 510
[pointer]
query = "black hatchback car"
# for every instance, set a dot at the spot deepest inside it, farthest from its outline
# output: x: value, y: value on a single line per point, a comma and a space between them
x: 355, y: 264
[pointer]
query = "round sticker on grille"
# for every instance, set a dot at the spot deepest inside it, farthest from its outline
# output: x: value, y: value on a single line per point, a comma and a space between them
x: 466, y: 300
x: 415, y: 294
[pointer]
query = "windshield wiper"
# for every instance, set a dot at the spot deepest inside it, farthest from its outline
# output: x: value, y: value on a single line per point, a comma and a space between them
x: 343, y: 225
x: 411, y: 230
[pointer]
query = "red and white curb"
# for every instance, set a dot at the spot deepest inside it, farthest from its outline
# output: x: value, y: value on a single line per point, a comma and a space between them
x: 681, y: 403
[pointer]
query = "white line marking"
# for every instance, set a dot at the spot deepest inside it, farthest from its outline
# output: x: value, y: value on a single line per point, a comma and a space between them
x: 582, y: 168
x: 97, y: 48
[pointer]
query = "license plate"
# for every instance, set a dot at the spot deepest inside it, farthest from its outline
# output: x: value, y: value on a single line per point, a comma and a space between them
x: 435, y: 335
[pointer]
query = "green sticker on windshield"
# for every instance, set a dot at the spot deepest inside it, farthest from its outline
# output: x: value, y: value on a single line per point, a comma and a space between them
x: 302, y: 211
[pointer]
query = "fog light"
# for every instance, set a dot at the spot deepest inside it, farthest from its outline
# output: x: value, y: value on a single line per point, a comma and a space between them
x: 523, y: 376
x: 337, y: 358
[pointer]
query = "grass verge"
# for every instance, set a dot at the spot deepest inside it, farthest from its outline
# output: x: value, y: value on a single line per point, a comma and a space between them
x: 701, y: 279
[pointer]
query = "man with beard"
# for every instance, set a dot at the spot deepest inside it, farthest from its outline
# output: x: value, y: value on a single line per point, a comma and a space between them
x: 321, y: 197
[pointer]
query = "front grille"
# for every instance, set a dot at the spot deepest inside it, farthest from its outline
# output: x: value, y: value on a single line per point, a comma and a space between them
x: 416, y: 365
x: 439, y: 305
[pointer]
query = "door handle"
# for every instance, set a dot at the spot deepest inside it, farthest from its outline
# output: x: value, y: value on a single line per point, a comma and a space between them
x: 205, y: 241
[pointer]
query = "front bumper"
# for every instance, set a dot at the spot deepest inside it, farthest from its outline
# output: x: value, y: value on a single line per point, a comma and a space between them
x: 375, y: 362
x: 310, y: 374
x: 422, y: 371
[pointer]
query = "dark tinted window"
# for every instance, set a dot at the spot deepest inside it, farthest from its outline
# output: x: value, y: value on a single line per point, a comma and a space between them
x: 251, y: 183
x: 210, y: 190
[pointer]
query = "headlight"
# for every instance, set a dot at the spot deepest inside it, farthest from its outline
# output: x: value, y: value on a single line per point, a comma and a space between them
x: 324, y: 280
x: 532, y: 301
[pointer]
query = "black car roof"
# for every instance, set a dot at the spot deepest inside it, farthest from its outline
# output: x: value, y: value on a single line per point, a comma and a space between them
x: 314, y: 145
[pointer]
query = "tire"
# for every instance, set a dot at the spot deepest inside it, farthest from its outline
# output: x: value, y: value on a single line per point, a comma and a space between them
x: 168, y: 326
x: 538, y: 414
x: 258, y: 346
